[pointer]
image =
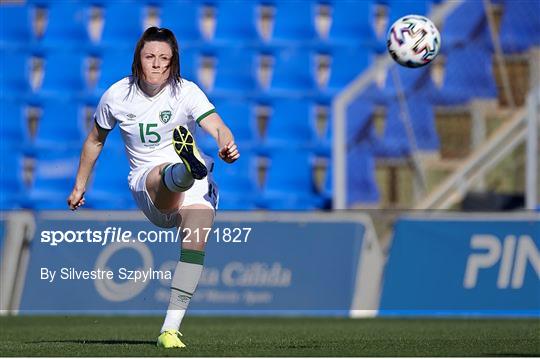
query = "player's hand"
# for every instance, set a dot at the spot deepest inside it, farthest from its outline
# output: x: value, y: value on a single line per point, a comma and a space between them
x: 229, y: 153
x: 75, y: 199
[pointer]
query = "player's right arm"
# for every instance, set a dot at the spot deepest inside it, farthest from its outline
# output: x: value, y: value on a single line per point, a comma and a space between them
x: 91, y: 149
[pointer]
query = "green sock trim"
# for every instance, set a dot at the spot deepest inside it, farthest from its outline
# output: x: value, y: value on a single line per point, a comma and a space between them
x: 182, y: 291
x: 192, y: 256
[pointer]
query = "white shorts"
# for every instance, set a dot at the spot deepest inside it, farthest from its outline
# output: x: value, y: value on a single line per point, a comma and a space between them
x: 203, y: 192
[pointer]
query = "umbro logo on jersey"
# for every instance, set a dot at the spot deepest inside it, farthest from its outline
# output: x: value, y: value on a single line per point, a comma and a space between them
x: 165, y: 116
x: 131, y: 116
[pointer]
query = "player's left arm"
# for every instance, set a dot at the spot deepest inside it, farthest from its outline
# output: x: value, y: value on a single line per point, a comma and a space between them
x: 214, y: 125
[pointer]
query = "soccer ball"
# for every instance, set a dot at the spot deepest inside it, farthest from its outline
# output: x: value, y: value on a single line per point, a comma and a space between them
x: 413, y: 41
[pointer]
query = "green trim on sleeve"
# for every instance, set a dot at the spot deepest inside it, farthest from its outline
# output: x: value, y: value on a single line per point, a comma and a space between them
x: 204, y: 115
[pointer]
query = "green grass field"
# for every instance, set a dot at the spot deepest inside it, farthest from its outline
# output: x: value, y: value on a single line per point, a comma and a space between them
x: 231, y: 336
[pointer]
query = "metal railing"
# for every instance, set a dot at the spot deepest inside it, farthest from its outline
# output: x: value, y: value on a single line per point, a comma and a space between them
x: 347, y: 96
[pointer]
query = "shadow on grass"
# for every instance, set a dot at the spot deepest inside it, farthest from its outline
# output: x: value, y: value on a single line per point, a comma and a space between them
x: 106, y: 342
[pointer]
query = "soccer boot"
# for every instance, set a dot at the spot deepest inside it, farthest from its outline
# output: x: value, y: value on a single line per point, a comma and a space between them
x: 170, y: 339
x: 184, y: 145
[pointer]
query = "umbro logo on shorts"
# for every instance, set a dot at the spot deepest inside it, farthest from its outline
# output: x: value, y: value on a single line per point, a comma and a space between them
x: 131, y: 116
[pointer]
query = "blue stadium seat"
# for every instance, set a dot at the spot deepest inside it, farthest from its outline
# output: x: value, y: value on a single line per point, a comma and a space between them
x: 289, y: 184
x: 373, y: 93
x: 236, y: 72
x: 236, y: 21
x: 410, y: 80
x: 114, y: 139
x: 114, y: 65
x: 13, y: 124
x: 394, y: 142
x: 240, y: 116
x: 54, y: 176
x: 520, y: 26
x: 15, y: 26
x: 352, y: 22
x: 11, y: 178
x: 189, y: 64
x: 423, y: 123
x: 67, y: 24
x: 205, y: 142
x: 321, y: 127
x: 361, y: 183
x: 294, y: 22
x: 123, y: 24
x: 293, y: 73
x: 60, y: 126
x: 466, y: 24
x: 469, y: 75
x: 64, y: 74
x: 359, y: 125
x: 182, y: 18
x: 328, y: 190
x: 109, y: 188
x: 291, y: 125
x: 237, y: 183
x: 346, y: 64
x: 14, y: 83
x: 399, y: 8
x: 324, y: 139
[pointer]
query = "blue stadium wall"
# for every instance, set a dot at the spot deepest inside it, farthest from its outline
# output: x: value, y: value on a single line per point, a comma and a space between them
x: 289, y: 264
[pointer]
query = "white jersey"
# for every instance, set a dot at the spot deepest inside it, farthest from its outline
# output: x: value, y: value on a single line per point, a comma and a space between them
x: 147, y: 123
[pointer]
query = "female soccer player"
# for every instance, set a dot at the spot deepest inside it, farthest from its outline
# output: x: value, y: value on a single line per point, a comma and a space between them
x: 156, y: 110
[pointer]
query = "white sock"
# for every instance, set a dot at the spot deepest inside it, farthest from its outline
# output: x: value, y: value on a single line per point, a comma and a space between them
x: 185, y: 279
x: 177, y: 178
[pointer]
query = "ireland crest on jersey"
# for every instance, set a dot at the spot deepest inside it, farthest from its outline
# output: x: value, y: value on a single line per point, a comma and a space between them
x: 165, y: 116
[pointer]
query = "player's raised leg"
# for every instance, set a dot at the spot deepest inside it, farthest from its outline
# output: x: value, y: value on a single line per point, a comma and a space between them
x: 166, y: 182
